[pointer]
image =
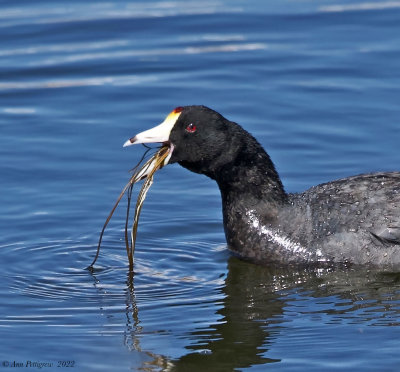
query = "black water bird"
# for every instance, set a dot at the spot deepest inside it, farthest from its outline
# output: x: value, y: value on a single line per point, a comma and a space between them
x: 354, y: 220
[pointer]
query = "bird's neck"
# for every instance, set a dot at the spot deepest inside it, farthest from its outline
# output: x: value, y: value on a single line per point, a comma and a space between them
x: 251, y: 178
x: 250, y: 188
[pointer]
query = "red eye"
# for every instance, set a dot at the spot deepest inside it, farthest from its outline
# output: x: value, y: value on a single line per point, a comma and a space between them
x: 191, y: 128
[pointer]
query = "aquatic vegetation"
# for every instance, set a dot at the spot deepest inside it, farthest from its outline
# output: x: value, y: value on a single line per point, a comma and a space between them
x: 140, y: 172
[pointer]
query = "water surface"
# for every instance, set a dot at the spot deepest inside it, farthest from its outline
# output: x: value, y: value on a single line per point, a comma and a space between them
x: 316, y: 82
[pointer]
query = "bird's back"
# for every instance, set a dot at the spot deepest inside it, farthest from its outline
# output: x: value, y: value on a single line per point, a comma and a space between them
x: 355, y: 219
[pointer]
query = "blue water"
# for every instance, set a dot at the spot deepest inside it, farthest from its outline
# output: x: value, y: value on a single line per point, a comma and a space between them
x: 318, y: 84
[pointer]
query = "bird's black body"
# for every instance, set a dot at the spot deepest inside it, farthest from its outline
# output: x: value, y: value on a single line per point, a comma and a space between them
x: 353, y: 220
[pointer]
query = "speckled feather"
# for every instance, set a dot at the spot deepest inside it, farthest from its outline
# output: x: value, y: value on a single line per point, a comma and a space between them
x: 355, y: 220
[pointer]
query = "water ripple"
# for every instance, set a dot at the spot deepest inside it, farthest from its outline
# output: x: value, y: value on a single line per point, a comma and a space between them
x: 361, y: 6
x: 87, y: 13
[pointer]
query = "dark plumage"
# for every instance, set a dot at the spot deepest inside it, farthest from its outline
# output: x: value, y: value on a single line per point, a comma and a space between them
x: 352, y: 220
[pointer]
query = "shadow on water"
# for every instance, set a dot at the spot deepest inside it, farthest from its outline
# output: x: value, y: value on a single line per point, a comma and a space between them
x: 253, y: 313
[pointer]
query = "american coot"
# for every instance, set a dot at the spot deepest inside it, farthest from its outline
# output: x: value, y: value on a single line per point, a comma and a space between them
x: 354, y: 220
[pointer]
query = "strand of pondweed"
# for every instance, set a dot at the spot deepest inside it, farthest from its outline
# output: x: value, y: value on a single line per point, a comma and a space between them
x: 157, y: 159
x: 129, y: 194
x: 131, y: 181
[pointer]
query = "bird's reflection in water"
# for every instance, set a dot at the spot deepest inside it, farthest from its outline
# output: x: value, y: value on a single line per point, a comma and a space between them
x: 254, y: 302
